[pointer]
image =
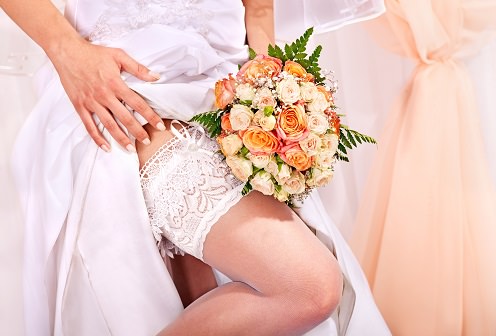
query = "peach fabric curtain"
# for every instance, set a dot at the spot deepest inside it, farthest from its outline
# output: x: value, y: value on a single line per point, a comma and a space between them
x: 425, y: 230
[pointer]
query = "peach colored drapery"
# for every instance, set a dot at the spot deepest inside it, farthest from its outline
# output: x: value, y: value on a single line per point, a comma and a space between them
x: 426, y: 230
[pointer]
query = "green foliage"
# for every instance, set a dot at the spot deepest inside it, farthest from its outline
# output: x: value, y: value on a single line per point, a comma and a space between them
x: 246, y: 189
x: 211, y: 121
x: 252, y: 53
x: 296, y: 52
x: 350, y: 139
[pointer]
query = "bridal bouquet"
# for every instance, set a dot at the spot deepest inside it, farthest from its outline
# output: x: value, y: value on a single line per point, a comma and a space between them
x: 277, y: 125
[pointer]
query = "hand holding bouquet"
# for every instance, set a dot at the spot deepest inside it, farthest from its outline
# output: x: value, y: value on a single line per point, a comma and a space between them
x: 277, y: 124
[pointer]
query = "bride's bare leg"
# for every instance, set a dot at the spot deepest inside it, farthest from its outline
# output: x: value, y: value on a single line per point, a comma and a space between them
x: 285, y: 280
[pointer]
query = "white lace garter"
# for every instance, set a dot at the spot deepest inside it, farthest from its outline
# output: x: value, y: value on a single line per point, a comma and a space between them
x: 187, y: 186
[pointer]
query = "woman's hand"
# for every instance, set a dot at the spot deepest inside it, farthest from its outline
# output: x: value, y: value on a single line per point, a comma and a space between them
x: 91, y: 76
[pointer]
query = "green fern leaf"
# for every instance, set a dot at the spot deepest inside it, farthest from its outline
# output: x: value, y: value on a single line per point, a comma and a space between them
x: 211, y: 121
x: 341, y: 147
x: 246, y: 189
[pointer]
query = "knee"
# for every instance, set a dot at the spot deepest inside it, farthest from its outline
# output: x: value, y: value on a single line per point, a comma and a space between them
x: 320, y: 292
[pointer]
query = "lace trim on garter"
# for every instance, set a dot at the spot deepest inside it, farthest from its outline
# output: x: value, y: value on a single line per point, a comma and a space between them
x: 187, y: 188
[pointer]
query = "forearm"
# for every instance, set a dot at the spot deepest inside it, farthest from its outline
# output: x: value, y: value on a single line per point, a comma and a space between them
x: 43, y: 22
x: 259, y: 20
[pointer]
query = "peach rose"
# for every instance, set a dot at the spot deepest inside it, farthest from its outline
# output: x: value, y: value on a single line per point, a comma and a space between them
x: 295, y: 184
x: 260, y: 66
x: 225, y: 123
x: 240, y: 167
x: 288, y: 91
x: 311, y: 144
x: 240, y: 117
x: 259, y: 141
x: 292, y: 123
x: 297, y: 70
x: 262, y: 182
x: 224, y: 92
x: 320, y: 177
x: 231, y: 144
x: 294, y: 156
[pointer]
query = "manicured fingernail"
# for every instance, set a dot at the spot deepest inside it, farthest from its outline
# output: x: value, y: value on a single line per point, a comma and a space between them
x: 105, y: 148
x: 146, y: 142
x: 154, y: 75
x: 160, y: 126
x: 130, y: 148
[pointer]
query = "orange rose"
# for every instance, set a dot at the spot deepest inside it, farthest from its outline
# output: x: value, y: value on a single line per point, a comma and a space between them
x: 294, y: 156
x: 259, y: 141
x: 335, y: 122
x: 260, y: 66
x: 225, y: 123
x: 326, y: 92
x: 224, y: 92
x: 297, y: 70
x: 292, y: 123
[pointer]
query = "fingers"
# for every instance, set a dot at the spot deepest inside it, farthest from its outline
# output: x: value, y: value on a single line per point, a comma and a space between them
x: 139, y: 105
x: 110, y: 124
x: 92, y: 130
x: 136, y: 69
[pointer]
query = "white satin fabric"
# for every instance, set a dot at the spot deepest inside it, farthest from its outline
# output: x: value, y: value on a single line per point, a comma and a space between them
x: 292, y: 17
x: 91, y: 264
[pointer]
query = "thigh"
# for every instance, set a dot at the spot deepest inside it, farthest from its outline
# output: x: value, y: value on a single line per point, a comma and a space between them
x: 263, y: 243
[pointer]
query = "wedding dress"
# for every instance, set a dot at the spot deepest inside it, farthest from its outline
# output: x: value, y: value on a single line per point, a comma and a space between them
x: 91, y: 263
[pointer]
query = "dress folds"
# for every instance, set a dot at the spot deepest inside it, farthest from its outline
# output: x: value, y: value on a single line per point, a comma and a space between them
x: 91, y: 263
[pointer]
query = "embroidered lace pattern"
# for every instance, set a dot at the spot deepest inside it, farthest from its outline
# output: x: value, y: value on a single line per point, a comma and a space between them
x: 187, y: 187
x: 124, y: 16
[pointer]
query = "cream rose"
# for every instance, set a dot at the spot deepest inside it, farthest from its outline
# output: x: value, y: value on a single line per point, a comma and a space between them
x: 267, y: 123
x: 260, y: 161
x: 281, y: 195
x: 295, y: 184
x: 318, y: 122
x: 262, y: 182
x: 288, y: 91
x: 264, y: 97
x: 231, y: 144
x: 311, y: 144
x: 272, y: 167
x: 330, y: 142
x: 325, y: 159
x: 240, y: 117
x: 245, y: 92
x: 241, y: 168
x: 308, y: 91
x: 319, y: 104
x: 283, y: 174
x: 320, y: 177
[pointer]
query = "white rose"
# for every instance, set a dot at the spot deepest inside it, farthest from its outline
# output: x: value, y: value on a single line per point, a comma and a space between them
x: 325, y: 159
x: 260, y: 161
x: 240, y: 117
x: 283, y: 174
x: 262, y: 182
x: 308, y: 91
x: 320, y: 177
x: 311, y: 144
x: 241, y: 168
x: 245, y: 92
x: 318, y: 122
x: 264, y: 97
x: 267, y: 123
x: 319, y: 104
x: 231, y: 144
x: 295, y: 184
x: 330, y: 142
x: 272, y: 167
x: 288, y: 91
x: 281, y: 195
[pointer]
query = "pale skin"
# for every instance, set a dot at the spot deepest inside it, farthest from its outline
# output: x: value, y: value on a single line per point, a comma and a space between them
x: 285, y: 281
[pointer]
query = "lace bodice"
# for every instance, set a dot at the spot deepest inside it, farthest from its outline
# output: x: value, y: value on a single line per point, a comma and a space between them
x: 122, y: 16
